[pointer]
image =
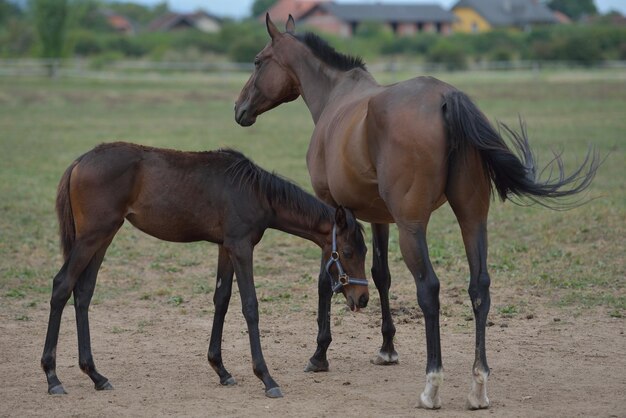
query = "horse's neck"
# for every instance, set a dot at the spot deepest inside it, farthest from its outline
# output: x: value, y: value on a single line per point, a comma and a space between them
x: 297, y: 223
x: 319, y: 83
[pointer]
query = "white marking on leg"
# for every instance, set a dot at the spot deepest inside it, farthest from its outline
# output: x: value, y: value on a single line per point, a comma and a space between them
x: 430, y: 399
x: 477, y: 398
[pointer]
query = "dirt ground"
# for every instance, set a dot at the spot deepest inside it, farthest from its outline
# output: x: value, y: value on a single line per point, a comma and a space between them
x: 548, y: 364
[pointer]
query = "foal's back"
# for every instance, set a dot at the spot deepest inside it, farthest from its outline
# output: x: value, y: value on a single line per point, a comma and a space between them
x: 171, y: 195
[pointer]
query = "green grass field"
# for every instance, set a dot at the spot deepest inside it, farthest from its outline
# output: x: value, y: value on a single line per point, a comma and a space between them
x: 573, y: 259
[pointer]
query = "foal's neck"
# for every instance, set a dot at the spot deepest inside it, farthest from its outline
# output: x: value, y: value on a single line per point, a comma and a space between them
x: 301, y: 224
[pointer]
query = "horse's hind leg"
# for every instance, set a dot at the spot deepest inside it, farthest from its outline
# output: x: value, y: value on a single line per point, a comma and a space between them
x: 469, y: 196
x: 475, y: 238
x: 83, y: 292
x: 382, y: 279
x: 221, y: 299
x: 63, y: 285
x: 415, y: 252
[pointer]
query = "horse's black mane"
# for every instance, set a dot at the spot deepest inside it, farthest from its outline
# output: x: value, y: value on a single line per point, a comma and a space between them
x: 276, y: 189
x: 280, y: 191
x: 322, y: 50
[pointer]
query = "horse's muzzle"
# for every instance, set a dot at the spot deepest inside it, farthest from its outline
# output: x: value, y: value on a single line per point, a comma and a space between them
x: 243, y: 116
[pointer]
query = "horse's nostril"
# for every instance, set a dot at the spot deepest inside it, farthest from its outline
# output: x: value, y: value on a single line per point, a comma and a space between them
x: 363, y: 301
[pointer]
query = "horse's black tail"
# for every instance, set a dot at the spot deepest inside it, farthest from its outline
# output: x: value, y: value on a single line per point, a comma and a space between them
x: 513, y: 172
x: 67, y: 231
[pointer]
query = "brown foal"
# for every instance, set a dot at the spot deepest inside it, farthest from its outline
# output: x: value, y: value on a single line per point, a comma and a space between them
x: 220, y: 197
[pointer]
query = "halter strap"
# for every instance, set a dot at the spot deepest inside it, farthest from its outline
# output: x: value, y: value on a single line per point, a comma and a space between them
x: 342, y: 278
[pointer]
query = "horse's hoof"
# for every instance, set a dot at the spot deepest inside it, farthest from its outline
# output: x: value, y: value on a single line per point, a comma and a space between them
x: 230, y: 381
x: 311, y: 367
x: 57, y: 390
x: 274, y: 393
x: 104, y: 386
x: 474, y: 404
x: 426, y: 403
x: 385, y: 359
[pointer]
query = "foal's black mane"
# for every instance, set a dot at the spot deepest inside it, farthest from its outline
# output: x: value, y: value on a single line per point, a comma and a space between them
x: 276, y: 189
x: 322, y: 50
x: 280, y: 191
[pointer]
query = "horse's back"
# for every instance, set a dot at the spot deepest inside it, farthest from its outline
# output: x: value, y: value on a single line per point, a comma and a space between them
x: 171, y: 195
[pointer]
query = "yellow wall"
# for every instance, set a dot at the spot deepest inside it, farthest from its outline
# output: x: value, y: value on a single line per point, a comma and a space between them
x: 469, y: 21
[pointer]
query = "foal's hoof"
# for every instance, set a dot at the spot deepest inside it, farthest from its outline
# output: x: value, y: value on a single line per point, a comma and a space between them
x: 274, y: 392
x: 57, y: 390
x: 312, y: 367
x: 104, y: 386
x: 385, y: 359
x: 230, y: 381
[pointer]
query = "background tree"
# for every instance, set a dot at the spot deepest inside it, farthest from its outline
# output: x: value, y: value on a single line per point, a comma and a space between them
x: 260, y: 6
x: 574, y: 8
x: 50, y: 17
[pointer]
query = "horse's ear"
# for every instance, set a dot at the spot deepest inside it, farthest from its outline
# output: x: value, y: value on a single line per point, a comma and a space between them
x: 271, y: 28
x: 341, y: 218
x: 290, y: 26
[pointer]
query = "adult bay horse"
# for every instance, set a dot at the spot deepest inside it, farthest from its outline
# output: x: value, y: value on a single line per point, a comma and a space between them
x: 218, y: 196
x: 394, y: 154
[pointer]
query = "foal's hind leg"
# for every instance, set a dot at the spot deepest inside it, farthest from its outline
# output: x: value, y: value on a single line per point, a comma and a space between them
x: 382, y: 279
x: 221, y: 298
x: 83, y: 292
x: 63, y: 285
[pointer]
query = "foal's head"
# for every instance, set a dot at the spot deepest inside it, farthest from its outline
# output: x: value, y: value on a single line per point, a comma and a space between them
x: 344, y: 257
x: 271, y: 83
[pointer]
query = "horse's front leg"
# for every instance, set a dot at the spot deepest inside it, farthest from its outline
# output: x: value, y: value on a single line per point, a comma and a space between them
x: 382, y: 279
x: 319, y: 362
x: 221, y: 299
x: 415, y: 252
x: 241, y: 257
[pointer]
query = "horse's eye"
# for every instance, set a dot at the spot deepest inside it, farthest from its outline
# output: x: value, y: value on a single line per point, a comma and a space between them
x: 347, y: 253
x: 257, y: 62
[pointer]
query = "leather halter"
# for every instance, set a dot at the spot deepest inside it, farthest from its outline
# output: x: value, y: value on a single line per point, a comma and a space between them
x: 342, y: 278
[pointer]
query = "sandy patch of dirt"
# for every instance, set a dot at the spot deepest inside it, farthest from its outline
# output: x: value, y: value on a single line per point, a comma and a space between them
x: 155, y: 356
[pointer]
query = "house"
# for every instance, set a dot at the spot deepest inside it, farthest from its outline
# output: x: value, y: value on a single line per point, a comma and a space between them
x: 281, y: 10
x: 172, y: 21
x: 484, y: 15
x: 344, y: 18
x: 118, y: 23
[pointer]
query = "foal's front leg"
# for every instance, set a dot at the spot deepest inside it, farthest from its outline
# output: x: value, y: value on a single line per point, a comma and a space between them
x: 319, y: 362
x: 241, y: 257
x: 221, y: 299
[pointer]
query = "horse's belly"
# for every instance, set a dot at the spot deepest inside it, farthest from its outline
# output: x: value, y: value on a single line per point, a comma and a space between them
x: 364, y: 201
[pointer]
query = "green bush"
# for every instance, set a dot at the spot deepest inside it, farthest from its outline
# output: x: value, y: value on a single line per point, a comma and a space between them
x: 451, y: 55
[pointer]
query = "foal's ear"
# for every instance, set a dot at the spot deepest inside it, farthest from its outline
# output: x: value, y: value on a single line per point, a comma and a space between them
x: 341, y: 217
x: 290, y: 26
x: 271, y: 28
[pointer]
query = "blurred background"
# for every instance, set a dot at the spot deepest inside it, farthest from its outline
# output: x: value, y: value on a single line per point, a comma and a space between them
x: 79, y: 36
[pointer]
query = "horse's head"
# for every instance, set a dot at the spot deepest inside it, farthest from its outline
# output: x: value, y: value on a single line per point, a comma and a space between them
x: 271, y: 83
x: 344, y: 255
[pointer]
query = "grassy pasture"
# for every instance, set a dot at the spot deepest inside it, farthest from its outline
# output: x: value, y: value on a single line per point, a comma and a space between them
x: 573, y: 259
